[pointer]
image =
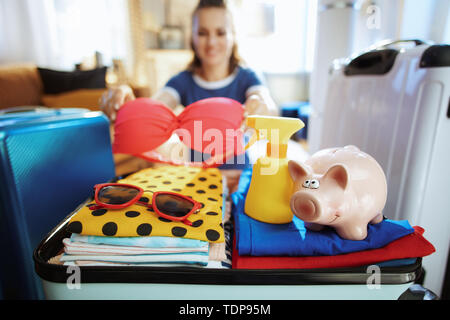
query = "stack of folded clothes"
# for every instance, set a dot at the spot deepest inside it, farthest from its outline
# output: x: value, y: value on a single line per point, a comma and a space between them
x: 259, y: 245
x: 136, y: 235
x: 94, y: 250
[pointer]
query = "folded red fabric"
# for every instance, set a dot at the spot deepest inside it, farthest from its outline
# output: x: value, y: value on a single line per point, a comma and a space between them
x: 413, y: 245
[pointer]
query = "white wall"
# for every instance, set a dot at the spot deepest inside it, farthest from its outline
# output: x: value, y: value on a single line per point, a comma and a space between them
x: 348, y: 27
x: 286, y: 88
x: 334, y: 39
x: 426, y: 20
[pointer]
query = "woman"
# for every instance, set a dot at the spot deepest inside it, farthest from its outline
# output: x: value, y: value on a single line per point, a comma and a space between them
x: 214, y: 71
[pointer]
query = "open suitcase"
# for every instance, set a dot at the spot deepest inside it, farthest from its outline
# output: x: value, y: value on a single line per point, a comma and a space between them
x: 117, y: 281
x: 392, y: 102
x: 192, y: 283
x: 40, y: 150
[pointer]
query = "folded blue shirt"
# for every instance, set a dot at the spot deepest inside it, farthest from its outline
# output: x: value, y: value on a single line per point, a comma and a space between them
x: 256, y: 238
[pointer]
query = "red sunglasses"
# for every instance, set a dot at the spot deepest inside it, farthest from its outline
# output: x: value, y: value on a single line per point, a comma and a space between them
x: 169, y: 205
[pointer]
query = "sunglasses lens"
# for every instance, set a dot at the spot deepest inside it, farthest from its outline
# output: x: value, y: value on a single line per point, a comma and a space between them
x: 172, y: 205
x: 116, y: 194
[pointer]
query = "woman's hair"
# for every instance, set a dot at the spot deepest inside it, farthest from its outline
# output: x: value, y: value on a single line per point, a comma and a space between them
x: 235, y: 59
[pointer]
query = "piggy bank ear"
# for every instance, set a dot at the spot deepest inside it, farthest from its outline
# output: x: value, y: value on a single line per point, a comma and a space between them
x: 339, y: 174
x: 296, y: 170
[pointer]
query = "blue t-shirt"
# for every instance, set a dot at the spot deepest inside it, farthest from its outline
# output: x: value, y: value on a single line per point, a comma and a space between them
x: 188, y: 88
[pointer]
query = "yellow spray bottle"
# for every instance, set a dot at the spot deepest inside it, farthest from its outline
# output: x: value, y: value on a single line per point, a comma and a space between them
x: 271, y: 186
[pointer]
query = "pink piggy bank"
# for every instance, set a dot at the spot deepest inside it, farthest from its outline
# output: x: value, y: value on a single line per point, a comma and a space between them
x: 344, y: 188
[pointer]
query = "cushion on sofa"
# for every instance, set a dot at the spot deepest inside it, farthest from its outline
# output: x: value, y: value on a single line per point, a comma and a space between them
x: 20, y: 85
x: 81, y: 98
x: 55, y: 81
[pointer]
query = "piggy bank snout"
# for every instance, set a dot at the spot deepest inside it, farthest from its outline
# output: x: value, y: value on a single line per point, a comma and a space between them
x: 305, y: 206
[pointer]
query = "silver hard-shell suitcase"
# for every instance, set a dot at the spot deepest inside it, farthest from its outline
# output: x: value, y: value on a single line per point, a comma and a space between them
x: 393, y: 103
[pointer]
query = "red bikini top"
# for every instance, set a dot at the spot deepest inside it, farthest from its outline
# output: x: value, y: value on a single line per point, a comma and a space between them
x: 210, y: 126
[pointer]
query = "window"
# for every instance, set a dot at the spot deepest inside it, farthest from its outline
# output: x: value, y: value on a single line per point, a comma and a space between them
x: 277, y: 36
x: 60, y: 33
x: 85, y: 27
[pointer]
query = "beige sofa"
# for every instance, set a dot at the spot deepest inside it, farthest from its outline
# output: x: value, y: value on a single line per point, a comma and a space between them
x: 21, y: 85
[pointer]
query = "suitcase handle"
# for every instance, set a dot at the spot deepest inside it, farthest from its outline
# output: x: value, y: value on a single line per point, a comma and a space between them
x: 23, y: 109
x: 378, y: 59
x: 374, y: 62
x: 388, y: 43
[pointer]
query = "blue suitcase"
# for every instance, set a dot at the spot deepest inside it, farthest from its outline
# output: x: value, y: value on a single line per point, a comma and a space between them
x: 49, y: 161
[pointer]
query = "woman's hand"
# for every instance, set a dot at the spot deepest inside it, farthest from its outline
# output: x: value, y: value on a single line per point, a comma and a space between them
x: 114, y: 98
x: 255, y: 105
x: 260, y: 103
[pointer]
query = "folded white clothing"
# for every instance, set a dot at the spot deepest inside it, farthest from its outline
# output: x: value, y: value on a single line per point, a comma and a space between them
x: 184, y: 258
x: 216, y: 250
x: 80, y: 248
x: 87, y: 263
x: 146, y: 242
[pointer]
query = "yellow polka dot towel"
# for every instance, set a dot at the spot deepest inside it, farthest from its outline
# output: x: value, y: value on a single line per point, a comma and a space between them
x: 203, y: 185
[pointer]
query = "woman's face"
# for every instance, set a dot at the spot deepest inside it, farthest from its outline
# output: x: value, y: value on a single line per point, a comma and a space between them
x: 212, y: 36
